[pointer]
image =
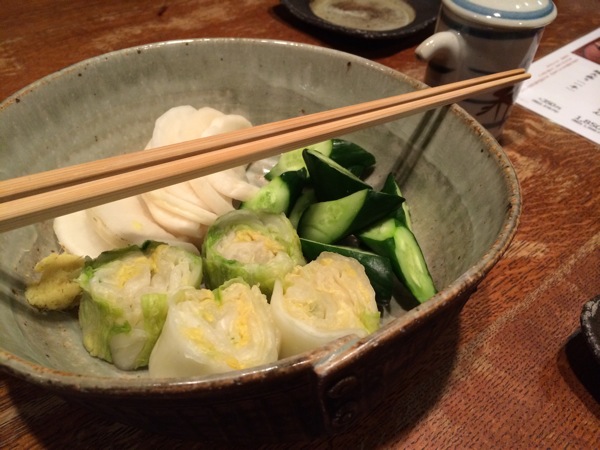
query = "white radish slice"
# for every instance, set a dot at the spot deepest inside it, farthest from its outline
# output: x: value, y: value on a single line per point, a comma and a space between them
x: 205, y: 116
x: 215, y: 201
x: 175, y: 224
x: 177, y: 205
x: 76, y: 235
x: 182, y: 123
x: 239, y: 171
x: 171, y: 125
x: 230, y: 184
x: 225, y: 124
x: 125, y: 222
x: 185, y: 192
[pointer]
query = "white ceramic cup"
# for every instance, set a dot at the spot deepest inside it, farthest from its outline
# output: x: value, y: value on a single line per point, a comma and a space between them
x: 479, y: 37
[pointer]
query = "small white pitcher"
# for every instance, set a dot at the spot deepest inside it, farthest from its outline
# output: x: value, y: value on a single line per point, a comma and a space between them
x: 480, y: 37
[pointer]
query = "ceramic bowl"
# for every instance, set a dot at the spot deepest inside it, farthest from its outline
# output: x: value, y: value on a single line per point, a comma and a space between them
x: 462, y: 189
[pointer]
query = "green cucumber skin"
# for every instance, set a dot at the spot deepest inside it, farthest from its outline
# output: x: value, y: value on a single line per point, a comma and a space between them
x: 413, y: 267
x: 279, y: 195
x: 306, y: 198
x: 349, y: 154
x: 345, y: 153
x: 330, y: 221
x: 330, y: 180
x: 273, y: 197
x: 295, y: 180
x: 378, y: 268
x: 391, y: 187
x: 293, y: 160
x: 393, y: 239
x: 376, y: 206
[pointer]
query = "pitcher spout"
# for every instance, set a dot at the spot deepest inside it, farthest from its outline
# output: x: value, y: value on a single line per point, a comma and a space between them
x: 443, y: 47
x: 442, y: 52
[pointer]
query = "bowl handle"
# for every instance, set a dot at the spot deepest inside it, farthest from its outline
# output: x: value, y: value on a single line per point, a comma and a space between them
x: 339, y: 384
x: 355, y: 375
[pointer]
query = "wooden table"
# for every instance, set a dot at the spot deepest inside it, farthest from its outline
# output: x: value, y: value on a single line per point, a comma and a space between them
x: 515, y: 373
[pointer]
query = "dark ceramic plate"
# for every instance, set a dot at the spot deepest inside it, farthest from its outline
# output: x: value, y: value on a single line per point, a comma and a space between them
x: 590, y: 324
x: 367, y: 19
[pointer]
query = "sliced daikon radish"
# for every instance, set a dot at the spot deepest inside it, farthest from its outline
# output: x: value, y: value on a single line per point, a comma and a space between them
x: 185, y: 192
x: 175, y: 224
x: 225, y: 124
x: 125, y: 222
x: 182, y: 123
x: 215, y: 201
x: 231, y: 183
x: 76, y: 234
x: 177, y: 205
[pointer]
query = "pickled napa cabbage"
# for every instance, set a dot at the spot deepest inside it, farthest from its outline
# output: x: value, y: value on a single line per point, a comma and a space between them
x: 126, y: 296
x: 255, y: 246
x: 326, y: 299
x: 208, y: 332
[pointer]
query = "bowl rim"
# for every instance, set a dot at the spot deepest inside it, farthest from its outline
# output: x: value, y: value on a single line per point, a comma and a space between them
x: 107, y: 385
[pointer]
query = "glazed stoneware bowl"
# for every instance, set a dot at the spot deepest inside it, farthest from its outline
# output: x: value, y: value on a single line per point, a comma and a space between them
x: 462, y: 189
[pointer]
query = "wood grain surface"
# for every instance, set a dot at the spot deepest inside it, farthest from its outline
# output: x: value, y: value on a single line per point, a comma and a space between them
x: 514, y: 372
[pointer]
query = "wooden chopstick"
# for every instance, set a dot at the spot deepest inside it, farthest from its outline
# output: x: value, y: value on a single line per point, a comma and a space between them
x: 45, y: 195
x: 72, y: 175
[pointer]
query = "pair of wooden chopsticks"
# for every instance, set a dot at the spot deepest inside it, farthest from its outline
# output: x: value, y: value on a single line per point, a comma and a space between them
x: 33, y: 198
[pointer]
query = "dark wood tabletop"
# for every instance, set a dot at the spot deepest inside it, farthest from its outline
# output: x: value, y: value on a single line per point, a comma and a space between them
x: 515, y: 371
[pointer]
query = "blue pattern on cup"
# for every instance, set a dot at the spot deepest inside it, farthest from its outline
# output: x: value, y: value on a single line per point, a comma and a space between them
x: 504, y: 14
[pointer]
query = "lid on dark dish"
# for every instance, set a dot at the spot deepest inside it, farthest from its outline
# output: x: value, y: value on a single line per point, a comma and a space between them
x: 368, y: 19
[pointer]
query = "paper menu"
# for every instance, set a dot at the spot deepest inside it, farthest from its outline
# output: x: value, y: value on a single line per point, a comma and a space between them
x: 565, y: 86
